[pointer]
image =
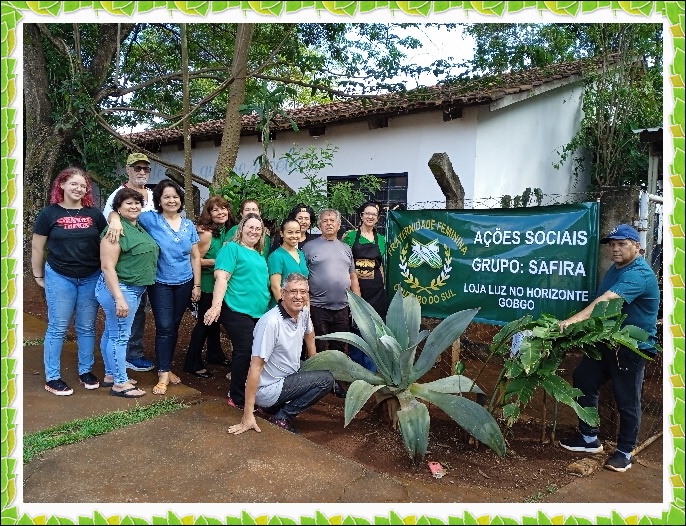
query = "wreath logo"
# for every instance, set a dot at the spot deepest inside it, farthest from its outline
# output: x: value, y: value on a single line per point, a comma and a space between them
x: 425, y: 254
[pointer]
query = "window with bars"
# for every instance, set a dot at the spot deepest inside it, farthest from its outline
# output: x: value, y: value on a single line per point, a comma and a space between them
x: 392, y: 194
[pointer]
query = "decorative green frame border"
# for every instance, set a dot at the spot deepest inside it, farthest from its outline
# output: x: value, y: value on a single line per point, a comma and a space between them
x: 672, y: 11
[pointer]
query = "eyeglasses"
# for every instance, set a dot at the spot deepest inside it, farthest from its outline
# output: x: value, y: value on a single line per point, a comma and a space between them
x: 253, y: 228
x: 138, y: 168
x: 296, y: 292
x: 370, y: 214
x: 78, y: 185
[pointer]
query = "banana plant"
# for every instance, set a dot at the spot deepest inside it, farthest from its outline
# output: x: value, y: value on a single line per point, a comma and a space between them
x: 392, y: 346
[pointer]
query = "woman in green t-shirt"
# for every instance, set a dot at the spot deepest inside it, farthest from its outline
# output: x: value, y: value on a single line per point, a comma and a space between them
x: 240, y: 297
x: 286, y: 259
x: 128, y: 267
x: 213, y: 227
x: 251, y: 206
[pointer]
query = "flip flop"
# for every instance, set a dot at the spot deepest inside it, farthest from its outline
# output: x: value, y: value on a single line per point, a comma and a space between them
x: 110, y: 384
x: 126, y: 393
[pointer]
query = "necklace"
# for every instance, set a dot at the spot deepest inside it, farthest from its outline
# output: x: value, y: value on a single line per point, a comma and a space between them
x: 69, y: 213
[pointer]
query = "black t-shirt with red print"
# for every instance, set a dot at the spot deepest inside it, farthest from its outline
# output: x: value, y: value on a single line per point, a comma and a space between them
x: 73, y: 238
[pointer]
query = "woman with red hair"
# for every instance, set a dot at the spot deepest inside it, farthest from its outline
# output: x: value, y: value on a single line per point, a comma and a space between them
x: 70, y: 228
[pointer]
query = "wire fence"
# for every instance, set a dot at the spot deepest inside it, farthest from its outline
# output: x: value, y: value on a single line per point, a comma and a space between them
x: 559, y: 418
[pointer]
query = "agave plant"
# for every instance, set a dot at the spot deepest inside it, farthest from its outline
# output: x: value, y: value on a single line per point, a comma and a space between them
x: 392, y: 347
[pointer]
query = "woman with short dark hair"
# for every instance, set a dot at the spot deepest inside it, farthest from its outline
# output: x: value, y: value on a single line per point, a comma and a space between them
x: 128, y: 267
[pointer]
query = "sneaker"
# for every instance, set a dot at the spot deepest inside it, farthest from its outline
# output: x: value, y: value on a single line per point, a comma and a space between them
x: 338, y: 390
x: 283, y: 424
x: 89, y: 380
x: 233, y: 404
x: 618, y: 462
x: 58, y: 387
x: 263, y: 411
x: 577, y: 443
x: 140, y: 364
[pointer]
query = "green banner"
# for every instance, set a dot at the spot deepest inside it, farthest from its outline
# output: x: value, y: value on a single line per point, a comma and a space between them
x: 508, y: 262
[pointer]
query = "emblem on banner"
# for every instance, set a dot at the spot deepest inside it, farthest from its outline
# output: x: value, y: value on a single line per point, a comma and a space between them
x: 425, y: 254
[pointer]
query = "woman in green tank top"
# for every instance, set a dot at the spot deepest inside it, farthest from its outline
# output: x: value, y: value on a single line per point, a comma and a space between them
x: 128, y: 267
x: 213, y: 227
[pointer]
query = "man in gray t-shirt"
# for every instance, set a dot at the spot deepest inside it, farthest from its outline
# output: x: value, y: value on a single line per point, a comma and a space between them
x: 275, y: 382
x: 332, y: 272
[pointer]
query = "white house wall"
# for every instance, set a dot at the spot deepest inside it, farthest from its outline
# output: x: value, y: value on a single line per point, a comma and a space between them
x: 517, y: 144
x: 493, y: 152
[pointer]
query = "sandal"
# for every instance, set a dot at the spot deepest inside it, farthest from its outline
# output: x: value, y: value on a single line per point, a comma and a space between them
x: 106, y: 383
x: 160, y: 388
x: 173, y: 379
x: 128, y: 393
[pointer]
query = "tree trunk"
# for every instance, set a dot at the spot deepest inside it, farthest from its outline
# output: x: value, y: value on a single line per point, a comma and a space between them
x: 44, y: 140
x: 228, y: 151
x: 187, y: 146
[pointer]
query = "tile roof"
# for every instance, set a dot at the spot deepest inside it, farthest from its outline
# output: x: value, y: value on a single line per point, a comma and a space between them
x: 462, y: 93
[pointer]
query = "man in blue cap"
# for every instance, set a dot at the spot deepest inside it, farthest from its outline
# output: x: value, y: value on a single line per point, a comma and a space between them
x: 631, y: 279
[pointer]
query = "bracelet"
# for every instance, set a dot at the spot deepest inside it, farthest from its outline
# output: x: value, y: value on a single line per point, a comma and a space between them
x: 196, y: 286
x: 38, y: 277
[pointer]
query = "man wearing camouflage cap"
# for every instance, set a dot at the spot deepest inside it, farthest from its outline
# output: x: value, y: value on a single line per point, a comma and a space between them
x: 631, y: 279
x: 138, y: 171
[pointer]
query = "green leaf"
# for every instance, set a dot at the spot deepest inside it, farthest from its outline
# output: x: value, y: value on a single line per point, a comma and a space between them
x: 636, y: 333
x: 342, y: 367
x: 395, y: 320
x: 406, y: 360
x: 453, y: 384
x: 414, y: 420
x: 358, y: 394
x: 565, y: 393
x: 505, y: 334
x: 367, y: 321
x: 413, y: 318
x: 440, y: 339
x: 469, y: 415
x: 530, y: 354
x: 374, y: 353
x: 393, y: 350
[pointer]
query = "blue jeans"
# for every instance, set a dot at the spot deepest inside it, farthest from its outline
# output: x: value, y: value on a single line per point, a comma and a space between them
x: 168, y: 304
x: 134, y: 349
x: 67, y: 297
x: 115, y: 337
x: 301, y: 391
x: 625, y: 368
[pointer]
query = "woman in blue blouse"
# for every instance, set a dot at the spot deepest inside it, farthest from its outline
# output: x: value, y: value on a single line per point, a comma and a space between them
x: 178, y: 272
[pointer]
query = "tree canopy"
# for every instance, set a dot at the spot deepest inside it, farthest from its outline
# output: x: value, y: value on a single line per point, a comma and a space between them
x: 623, y: 91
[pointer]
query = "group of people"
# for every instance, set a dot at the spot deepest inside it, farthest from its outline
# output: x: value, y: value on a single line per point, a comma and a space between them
x: 141, y: 249
x: 271, y: 298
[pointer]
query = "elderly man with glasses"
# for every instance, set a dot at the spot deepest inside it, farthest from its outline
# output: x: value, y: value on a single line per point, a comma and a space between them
x: 275, y: 382
x: 138, y: 171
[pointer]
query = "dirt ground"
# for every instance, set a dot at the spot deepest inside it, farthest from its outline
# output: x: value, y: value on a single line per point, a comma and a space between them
x: 529, y: 468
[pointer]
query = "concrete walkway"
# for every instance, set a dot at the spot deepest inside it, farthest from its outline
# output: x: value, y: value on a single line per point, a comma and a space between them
x: 187, y: 456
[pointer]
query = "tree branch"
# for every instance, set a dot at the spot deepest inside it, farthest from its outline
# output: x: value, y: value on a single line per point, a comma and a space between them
x: 135, y: 147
